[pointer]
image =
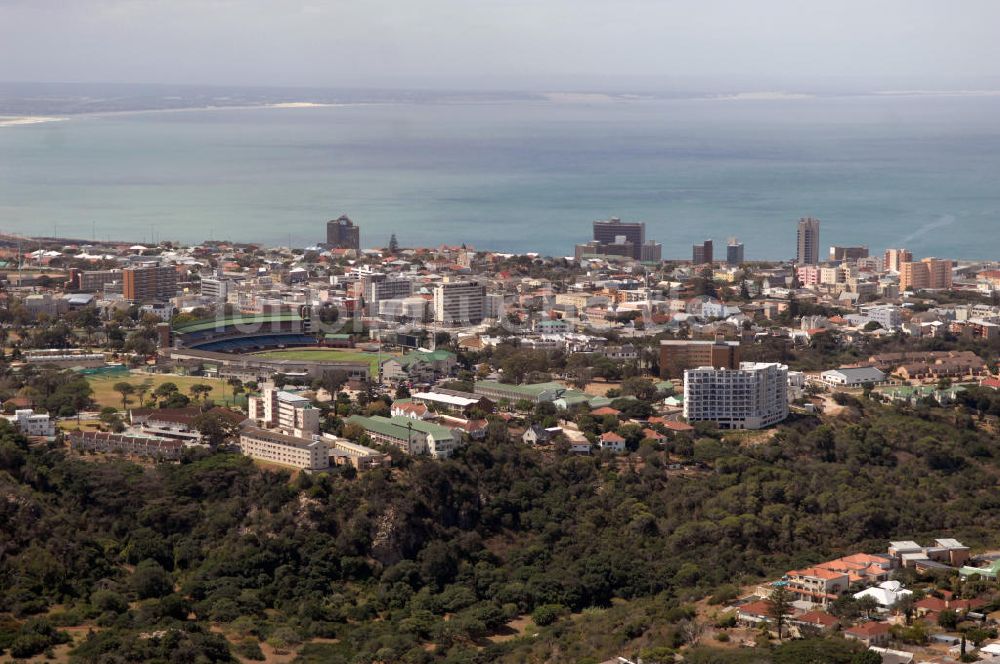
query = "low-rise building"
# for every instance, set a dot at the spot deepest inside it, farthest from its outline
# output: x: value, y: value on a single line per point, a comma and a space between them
x: 147, y: 447
x: 411, y: 436
x: 30, y: 423
x: 852, y: 376
x: 311, y: 453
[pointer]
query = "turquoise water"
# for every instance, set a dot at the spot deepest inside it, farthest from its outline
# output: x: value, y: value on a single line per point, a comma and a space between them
x: 921, y: 172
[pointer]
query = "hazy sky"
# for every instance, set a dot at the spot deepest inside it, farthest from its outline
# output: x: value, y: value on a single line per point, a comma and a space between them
x: 775, y: 44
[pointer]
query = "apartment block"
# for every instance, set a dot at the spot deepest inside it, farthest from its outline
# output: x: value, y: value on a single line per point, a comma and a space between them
x: 929, y: 273
x: 459, y: 302
x: 751, y: 397
x: 894, y: 259
x: 676, y: 356
x: 807, y: 242
x: 311, y: 453
x: 342, y: 233
x: 154, y: 282
x: 291, y: 413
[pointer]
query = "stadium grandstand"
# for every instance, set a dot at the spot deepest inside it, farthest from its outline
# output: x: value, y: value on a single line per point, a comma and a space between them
x: 247, y: 333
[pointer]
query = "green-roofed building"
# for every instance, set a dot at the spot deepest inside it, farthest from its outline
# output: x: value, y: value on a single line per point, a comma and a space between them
x: 410, y: 435
x: 419, y: 366
x: 535, y: 393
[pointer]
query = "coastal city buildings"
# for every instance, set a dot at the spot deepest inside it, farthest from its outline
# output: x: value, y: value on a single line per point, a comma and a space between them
x: 614, y: 237
x: 894, y: 259
x: 149, y: 282
x: 679, y: 355
x: 459, y: 301
x: 734, y: 252
x: 753, y: 396
x: 847, y: 254
x: 614, y: 230
x: 292, y: 413
x: 272, y: 446
x: 342, y: 233
x: 929, y: 273
x: 807, y: 242
x: 701, y: 254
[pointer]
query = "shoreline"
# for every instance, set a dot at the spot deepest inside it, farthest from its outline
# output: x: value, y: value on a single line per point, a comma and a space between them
x: 27, y: 120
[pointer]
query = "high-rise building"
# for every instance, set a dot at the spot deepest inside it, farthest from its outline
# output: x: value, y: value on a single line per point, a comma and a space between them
x: 341, y: 233
x: 751, y: 397
x: 609, y: 232
x: 808, y: 242
x: 894, y: 259
x: 929, y: 273
x: 702, y: 254
x: 459, y: 302
x: 734, y: 252
x: 651, y: 252
x: 377, y: 287
x: 291, y: 413
x: 146, y: 283
x: 850, y: 254
x: 677, y: 355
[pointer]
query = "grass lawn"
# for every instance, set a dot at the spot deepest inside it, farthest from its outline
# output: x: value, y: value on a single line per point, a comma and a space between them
x: 332, y: 354
x: 105, y: 395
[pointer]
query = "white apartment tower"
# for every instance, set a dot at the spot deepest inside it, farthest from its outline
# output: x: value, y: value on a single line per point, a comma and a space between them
x: 290, y: 413
x: 751, y: 397
x: 459, y: 302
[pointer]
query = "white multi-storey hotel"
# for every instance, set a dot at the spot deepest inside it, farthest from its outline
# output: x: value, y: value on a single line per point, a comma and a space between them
x: 751, y: 397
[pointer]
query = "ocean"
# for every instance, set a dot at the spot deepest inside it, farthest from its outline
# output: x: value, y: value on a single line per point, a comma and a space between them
x: 919, y: 171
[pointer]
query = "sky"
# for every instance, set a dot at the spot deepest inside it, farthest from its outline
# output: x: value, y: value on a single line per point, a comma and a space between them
x: 507, y: 44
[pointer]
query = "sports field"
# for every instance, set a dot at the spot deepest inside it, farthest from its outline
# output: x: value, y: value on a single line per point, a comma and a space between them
x: 105, y: 395
x: 331, y: 354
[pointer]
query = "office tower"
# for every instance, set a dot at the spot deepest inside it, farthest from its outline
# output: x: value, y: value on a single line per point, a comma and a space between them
x: 850, y: 254
x: 341, y: 233
x: 609, y: 232
x: 678, y: 355
x: 751, y: 397
x: 377, y: 287
x: 808, y: 242
x: 734, y: 252
x: 651, y: 252
x: 702, y: 253
x: 459, y: 302
x: 620, y: 247
x: 894, y: 259
x: 146, y: 283
x: 930, y: 273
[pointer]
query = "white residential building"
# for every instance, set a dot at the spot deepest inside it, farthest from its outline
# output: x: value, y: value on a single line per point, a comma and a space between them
x: 459, y: 302
x: 310, y: 453
x: 751, y: 397
x: 291, y: 413
x: 31, y: 423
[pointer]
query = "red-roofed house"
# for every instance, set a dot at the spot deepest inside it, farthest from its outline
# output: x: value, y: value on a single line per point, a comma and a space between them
x: 754, y: 612
x: 819, y: 619
x: 815, y: 584
x: 869, y: 633
x: 605, y: 410
x: 612, y: 442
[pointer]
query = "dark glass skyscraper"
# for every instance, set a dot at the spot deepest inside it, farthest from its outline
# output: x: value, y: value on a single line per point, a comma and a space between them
x: 343, y: 234
x: 606, y: 232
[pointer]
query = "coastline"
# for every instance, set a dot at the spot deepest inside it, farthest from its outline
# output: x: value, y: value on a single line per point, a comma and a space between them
x: 27, y: 120
x: 24, y: 120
